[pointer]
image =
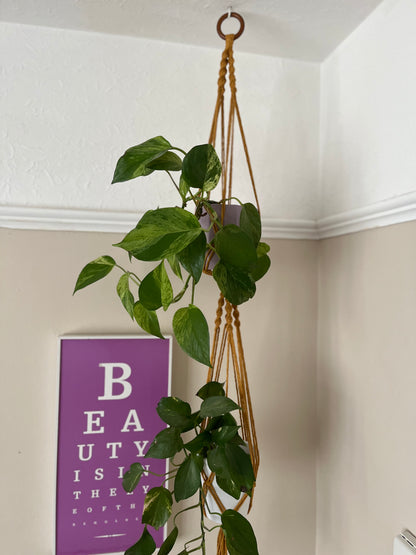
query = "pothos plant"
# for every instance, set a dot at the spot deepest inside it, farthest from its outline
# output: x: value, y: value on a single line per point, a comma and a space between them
x: 175, y: 240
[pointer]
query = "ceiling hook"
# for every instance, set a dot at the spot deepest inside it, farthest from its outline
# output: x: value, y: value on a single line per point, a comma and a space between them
x: 230, y: 9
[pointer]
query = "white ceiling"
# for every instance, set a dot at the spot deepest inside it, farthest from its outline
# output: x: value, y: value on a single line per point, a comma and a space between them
x: 301, y: 29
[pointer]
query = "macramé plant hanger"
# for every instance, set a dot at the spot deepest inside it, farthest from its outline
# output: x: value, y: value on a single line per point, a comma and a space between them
x: 227, y: 355
x: 237, y: 259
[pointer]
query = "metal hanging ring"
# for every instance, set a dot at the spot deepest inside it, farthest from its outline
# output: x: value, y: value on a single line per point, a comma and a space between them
x: 226, y: 16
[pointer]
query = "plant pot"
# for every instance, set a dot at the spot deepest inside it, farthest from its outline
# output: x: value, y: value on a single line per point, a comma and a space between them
x: 227, y: 500
x: 231, y: 216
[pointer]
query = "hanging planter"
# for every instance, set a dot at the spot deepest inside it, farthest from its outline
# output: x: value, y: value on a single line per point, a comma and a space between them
x: 173, y: 237
x: 227, y: 355
x: 217, y: 500
x: 227, y: 214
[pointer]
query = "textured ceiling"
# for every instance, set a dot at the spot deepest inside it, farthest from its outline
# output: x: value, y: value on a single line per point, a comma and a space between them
x: 301, y: 29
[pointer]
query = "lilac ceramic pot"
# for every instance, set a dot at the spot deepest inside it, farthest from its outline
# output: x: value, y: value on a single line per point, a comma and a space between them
x: 231, y: 216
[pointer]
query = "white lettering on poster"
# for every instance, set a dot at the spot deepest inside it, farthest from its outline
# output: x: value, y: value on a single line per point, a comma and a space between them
x: 91, y: 421
x: 132, y: 420
x: 81, y: 454
x: 114, y: 385
x: 141, y: 446
x: 99, y: 474
x: 114, y: 445
x: 110, y: 380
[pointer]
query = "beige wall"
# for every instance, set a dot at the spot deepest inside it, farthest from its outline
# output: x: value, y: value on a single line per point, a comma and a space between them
x: 366, y: 382
x: 366, y: 485
x: 38, y: 271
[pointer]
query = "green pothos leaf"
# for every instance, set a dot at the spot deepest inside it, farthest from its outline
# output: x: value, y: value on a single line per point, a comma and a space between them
x: 219, y: 421
x: 157, y: 507
x: 166, y: 444
x: 175, y: 412
x: 168, y: 544
x: 218, y: 463
x: 183, y: 187
x: 125, y: 294
x: 262, y: 249
x: 145, y: 546
x: 235, y: 247
x: 199, y: 442
x: 192, y: 257
x: 210, y: 389
x: 260, y: 268
x: 132, y: 477
x: 161, y: 233
x: 238, y: 533
x: 169, y: 161
x: 94, y: 271
x: 174, y: 264
x: 136, y: 160
x: 201, y: 167
x: 262, y: 265
x: 166, y: 290
x: 191, y: 331
x: 236, y: 284
x: 250, y: 222
x: 233, y: 468
x: 188, y: 478
x: 217, y: 405
x: 147, y: 319
x: 224, y: 434
x: 156, y: 290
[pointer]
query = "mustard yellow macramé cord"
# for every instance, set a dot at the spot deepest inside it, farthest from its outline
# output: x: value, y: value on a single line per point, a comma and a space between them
x: 227, y: 354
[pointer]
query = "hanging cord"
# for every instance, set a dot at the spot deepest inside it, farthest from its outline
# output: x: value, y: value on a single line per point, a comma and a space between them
x: 227, y: 135
x: 227, y: 355
x: 227, y: 342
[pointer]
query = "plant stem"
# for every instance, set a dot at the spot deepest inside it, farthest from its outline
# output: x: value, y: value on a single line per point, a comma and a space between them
x: 192, y: 541
x: 230, y: 198
x: 211, y: 513
x: 196, y: 202
x: 182, y: 292
x: 214, y: 527
x: 212, y: 214
x: 161, y: 475
x: 174, y: 182
x: 178, y: 149
x: 193, y: 291
x: 183, y: 511
x: 135, y: 279
x: 132, y: 275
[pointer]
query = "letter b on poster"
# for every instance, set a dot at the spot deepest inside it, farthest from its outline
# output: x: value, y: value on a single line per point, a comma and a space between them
x: 109, y: 390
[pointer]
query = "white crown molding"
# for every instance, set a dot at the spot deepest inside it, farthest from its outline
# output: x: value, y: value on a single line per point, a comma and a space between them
x: 391, y: 211
x: 58, y: 219
x: 51, y: 219
x: 289, y: 229
x: 388, y: 212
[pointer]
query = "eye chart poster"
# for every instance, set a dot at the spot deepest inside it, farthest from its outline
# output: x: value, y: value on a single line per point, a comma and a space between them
x: 109, y: 390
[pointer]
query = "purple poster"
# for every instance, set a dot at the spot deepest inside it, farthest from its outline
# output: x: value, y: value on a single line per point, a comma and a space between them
x: 109, y: 389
